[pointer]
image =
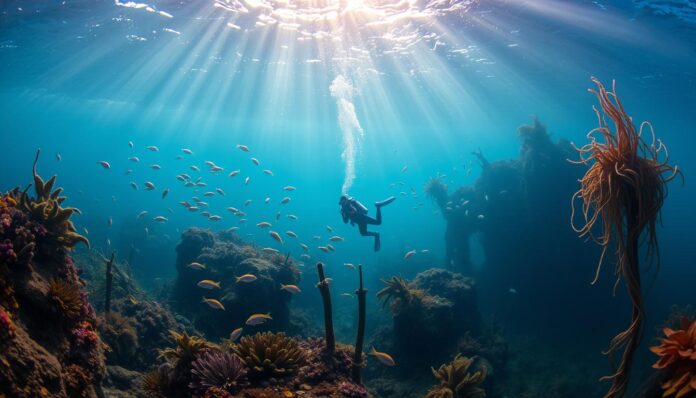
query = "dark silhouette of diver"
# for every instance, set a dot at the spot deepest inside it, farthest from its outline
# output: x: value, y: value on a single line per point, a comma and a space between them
x: 356, y: 213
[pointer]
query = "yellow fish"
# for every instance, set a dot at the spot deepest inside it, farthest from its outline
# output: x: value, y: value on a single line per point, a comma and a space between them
x: 290, y: 288
x: 246, y: 278
x: 196, y: 265
x: 215, y: 304
x: 235, y: 334
x: 258, y: 319
x: 208, y: 284
x: 382, y: 357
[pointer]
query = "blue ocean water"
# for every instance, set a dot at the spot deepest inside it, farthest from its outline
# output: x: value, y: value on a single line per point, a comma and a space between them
x: 372, y: 100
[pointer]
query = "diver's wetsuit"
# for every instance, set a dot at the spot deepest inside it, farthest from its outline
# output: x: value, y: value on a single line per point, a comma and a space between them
x: 356, y: 213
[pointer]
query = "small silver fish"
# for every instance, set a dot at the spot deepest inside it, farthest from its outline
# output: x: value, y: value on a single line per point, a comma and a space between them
x: 268, y: 172
x: 153, y: 148
x: 243, y: 148
x: 289, y: 188
x: 233, y: 173
x: 104, y: 164
x: 160, y: 219
x: 276, y: 236
x: 255, y: 161
x: 165, y: 192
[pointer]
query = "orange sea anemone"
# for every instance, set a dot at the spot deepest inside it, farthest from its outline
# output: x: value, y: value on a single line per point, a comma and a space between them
x: 623, y: 191
x: 677, y: 353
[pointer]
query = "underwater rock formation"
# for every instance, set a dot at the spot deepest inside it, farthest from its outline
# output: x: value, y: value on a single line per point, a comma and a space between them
x: 48, y: 340
x: 437, y: 307
x: 518, y: 210
x: 226, y: 257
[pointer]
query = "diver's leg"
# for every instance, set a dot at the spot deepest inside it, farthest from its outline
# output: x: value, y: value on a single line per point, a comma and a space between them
x: 362, y: 227
x: 378, y: 205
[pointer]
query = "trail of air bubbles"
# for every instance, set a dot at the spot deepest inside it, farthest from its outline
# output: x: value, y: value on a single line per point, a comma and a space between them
x: 342, y: 90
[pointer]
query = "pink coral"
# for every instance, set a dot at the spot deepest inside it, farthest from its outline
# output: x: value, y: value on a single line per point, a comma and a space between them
x: 85, y: 335
x: 350, y: 390
x: 7, y: 327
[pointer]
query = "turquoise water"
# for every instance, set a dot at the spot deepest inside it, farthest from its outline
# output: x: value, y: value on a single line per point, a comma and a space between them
x: 415, y: 90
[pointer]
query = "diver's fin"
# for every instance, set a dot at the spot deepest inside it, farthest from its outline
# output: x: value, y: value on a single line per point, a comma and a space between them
x: 385, y: 201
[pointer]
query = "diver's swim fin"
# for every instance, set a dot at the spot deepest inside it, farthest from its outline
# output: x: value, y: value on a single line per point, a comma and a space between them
x: 385, y: 201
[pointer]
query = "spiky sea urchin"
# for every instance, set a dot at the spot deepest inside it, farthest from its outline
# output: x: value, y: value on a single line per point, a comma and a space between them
x: 219, y: 369
x: 66, y: 297
x: 270, y: 354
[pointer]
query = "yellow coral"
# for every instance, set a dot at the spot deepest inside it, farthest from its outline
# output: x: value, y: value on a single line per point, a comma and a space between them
x: 456, y: 381
x: 187, y: 347
x: 46, y: 209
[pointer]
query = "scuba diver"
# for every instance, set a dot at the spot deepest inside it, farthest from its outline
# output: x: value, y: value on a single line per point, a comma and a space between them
x: 356, y: 213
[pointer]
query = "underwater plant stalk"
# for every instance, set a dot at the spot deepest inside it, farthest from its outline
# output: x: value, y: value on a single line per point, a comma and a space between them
x: 323, y: 286
x: 357, y: 357
x: 109, y: 283
x: 625, y: 187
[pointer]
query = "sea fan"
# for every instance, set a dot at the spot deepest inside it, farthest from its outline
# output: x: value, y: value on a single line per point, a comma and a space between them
x: 219, y: 369
x: 677, y: 353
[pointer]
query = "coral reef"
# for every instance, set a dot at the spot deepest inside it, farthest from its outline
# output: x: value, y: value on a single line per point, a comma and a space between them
x: 442, y: 304
x: 677, y: 352
x: 270, y: 354
x: 262, y: 365
x: 225, y: 257
x: 623, y: 189
x: 456, y: 381
x: 40, y: 287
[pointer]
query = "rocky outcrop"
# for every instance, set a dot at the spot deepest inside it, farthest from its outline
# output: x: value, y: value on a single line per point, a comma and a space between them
x: 48, y: 341
x: 225, y: 257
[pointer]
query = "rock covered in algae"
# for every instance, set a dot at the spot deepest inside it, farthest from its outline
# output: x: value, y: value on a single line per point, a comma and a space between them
x: 226, y: 257
x: 443, y: 306
x: 49, y: 347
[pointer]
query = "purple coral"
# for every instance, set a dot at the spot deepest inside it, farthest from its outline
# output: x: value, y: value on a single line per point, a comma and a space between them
x: 85, y: 335
x: 7, y: 253
x: 350, y: 390
x: 219, y: 369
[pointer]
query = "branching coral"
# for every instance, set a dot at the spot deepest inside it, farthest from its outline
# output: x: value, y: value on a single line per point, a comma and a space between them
x: 270, y: 354
x: 456, y: 381
x: 625, y: 187
x: 47, y: 210
x: 66, y: 297
x: 219, y: 369
x: 677, y: 353
x: 399, y: 294
x: 186, y: 350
